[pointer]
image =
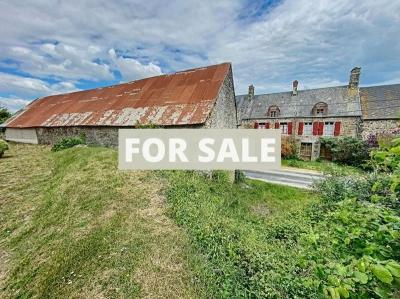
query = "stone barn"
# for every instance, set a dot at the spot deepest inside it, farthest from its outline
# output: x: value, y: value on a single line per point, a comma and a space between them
x: 197, y: 98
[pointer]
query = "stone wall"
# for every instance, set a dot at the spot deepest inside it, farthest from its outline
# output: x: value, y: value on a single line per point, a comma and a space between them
x: 224, y: 114
x: 350, y: 126
x: 378, y: 126
x: 103, y: 136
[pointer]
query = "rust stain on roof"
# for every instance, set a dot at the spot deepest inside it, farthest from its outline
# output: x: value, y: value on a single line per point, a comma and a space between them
x: 182, y: 98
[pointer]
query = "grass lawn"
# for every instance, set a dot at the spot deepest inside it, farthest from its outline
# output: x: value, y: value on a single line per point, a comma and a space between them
x: 248, y: 233
x: 322, y: 166
x: 72, y: 225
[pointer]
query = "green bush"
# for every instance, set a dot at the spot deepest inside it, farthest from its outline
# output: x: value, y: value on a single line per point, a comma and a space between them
x: 387, y: 158
x: 347, y: 150
x: 355, y: 250
x: 3, y: 147
x: 68, y: 142
x: 4, y: 114
x: 362, y: 230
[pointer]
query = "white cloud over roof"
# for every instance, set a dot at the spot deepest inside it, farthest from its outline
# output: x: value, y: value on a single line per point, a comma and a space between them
x: 48, y: 48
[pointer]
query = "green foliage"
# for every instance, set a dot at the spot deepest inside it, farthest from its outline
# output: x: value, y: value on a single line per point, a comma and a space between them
x: 373, y: 187
x: 345, y: 246
x: 387, y: 157
x: 146, y: 126
x: 4, y: 114
x: 3, y: 147
x: 68, y: 142
x: 347, y: 150
x: 338, y: 249
x: 355, y: 249
x: 246, y: 232
x: 363, y: 226
x: 239, y: 176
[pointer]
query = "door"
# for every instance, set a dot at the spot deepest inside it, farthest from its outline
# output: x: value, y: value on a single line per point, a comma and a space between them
x: 305, y: 151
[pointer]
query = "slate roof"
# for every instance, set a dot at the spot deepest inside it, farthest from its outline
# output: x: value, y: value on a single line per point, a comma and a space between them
x: 300, y: 105
x: 182, y: 98
x: 380, y: 102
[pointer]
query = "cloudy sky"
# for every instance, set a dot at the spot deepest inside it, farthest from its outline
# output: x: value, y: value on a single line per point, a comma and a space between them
x: 49, y: 47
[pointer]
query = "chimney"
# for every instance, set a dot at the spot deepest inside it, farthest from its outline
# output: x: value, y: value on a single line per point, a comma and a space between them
x: 354, y: 81
x: 295, y: 84
x: 250, y: 94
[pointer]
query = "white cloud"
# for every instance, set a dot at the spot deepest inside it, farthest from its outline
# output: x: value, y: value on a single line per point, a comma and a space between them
x: 131, y: 69
x: 315, y: 42
x: 31, y: 87
x: 13, y: 104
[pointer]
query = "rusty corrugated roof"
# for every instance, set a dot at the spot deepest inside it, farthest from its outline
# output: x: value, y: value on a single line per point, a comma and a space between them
x: 182, y: 98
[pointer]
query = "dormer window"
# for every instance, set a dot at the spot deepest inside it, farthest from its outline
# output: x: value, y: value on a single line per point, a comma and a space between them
x: 273, y: 111
x: 320, y: 109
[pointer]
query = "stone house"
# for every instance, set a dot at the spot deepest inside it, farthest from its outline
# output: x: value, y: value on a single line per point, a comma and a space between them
x: 380, y: 107
x: 307, y: 115
x: 196, y: 98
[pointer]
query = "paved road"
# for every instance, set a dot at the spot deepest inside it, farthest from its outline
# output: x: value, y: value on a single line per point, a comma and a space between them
x: 287, y: 176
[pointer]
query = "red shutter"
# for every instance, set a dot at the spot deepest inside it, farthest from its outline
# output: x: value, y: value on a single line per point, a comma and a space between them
x: 256, y: 125
x: 289, y: 129
x: 337, y: 129
x: 276, y: 125
x: 267, y: 125
x: 315, y: 128
x: 321, y: 129
x: 301, y: 126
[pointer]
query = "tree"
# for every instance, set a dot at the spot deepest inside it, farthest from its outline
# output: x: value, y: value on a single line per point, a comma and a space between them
x: 4, y: 114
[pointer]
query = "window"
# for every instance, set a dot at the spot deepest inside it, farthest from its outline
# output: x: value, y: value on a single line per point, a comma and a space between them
x: 261, y: 125
x: 273, y: 111
x: 329, y: 128
x: 320, y: 109
x: 284, y: 128
x: 308, y: 129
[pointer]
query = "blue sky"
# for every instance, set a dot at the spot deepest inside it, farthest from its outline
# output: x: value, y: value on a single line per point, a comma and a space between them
x: 50, y: 47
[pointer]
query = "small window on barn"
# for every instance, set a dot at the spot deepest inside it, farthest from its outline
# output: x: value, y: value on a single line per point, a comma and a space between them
x: 320, y: 109
x: 273, y: 111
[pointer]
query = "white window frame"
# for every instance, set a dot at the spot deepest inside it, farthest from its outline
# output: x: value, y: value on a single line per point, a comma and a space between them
x: 329, y: 128
x: 261, y: 125
x: 308, y: 129
x: 284, y: 128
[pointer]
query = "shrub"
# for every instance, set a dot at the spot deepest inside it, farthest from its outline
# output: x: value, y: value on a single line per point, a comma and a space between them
x: 4, y: 114
x: 347, y: 150
x: 288, y: 147
x: 3, y: 147
x: 68, y: 142
x: 355, y: 250
x: 387, y: 158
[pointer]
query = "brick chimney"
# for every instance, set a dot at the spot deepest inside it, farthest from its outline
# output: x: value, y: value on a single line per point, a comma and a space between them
x: 354, y: 81
x: 295, y: 84
x: 250, y: 94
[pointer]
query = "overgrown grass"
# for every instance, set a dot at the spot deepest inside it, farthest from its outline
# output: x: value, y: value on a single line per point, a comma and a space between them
x: 248, y: 234
x: 323, y: 166
x: 73, y: 226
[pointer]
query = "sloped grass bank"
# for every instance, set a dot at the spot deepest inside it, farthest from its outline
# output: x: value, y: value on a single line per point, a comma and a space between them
x: 268, y: 241
x: 249, y: 235
x: 73, y: 226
